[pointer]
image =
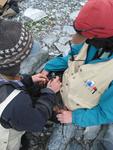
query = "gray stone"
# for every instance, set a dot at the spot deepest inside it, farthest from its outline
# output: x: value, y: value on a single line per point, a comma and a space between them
x: 53, y: 54
x: 64, y: 49
x: 107, y: 141
x: 69, y: 30
x: 74, y: 146
x: 61, y: 136
x: 79, y: 133
x: 90, y: 133
x: 36, y: 58
x: 50, y: 39
x: 34, y: 14
x: 39, y: 69
x: 74, y: 14
x: 64, y: 40
x: 82, y: 3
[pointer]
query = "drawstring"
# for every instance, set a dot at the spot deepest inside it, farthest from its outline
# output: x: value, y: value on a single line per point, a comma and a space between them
x: 72, y: 56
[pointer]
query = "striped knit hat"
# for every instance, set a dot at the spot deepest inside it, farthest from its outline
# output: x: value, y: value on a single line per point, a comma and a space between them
x: 15, y: 44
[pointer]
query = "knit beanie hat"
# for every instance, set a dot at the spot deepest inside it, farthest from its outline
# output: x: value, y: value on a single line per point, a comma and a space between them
x: 96, y: 19
x: 15, y: 44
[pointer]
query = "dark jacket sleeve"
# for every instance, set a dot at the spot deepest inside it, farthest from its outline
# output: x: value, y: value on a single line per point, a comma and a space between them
x: 33, y: 89
x: 27, y: 81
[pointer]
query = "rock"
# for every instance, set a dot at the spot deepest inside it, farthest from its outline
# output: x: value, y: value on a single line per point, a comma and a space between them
x: 9, y: 13
x: 79, y: 133
x: 62, y: 135
x: 91, y: 133
x: 64, y: 49
x: 73, y: 15
x: 82, y: 3
x: 107, y: 141
x: 69, y: 30
x: 58, y: 15
x: 74, y: 146
x: 50, y: 39
x: 36, y: 58
x: 64, y: 40
x: 34, y: 14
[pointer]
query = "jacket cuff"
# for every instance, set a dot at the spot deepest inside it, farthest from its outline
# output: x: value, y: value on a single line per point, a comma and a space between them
x: 27, y: 81
x: 47, y: 90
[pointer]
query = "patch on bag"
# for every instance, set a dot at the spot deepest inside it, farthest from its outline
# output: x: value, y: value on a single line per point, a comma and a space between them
x: 91, y: 85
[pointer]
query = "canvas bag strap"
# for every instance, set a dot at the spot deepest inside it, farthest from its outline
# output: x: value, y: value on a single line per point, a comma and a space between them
x: 81, y: 57
x: 12, y: 95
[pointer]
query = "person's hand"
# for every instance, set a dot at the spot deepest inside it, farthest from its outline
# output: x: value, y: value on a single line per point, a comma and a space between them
x: 54, y: 84
x: 40, y: 78
x: 64, y: 116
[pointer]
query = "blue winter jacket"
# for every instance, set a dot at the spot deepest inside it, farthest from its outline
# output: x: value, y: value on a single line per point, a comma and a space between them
x: 101, y: 113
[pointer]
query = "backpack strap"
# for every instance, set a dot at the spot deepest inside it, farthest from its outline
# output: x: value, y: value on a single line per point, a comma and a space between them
x: 11, y: 96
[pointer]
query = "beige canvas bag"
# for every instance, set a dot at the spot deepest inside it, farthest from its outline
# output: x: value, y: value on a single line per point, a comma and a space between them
x: 75, y: 91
